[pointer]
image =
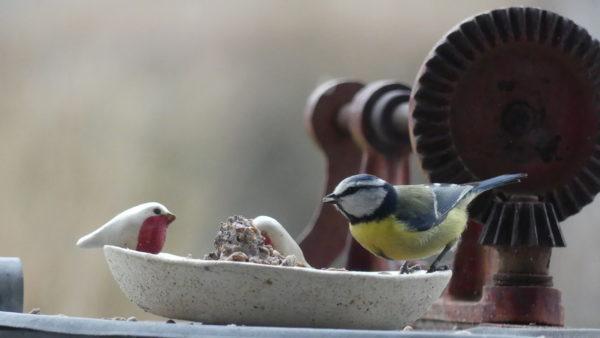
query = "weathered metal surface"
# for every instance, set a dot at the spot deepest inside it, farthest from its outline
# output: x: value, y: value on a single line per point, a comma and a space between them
x: 375, y: 108
x: 522, y: 291
x: 11, y: 284
x: 474, y: 266
x: 527, y: 305
x: 512, y: 90
x: 327, y: 235
x: 518, y: 223
x: 345, y: 118
x: 379, y: 118
x: 43, y: 326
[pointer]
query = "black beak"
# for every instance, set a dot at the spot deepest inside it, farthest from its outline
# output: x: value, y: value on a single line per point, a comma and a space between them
x: 331, y: 198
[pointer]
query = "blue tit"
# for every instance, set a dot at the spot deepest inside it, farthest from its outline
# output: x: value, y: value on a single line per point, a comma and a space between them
x: 408, y: 222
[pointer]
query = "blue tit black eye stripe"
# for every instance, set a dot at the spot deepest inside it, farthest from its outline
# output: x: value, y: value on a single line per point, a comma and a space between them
x: 352, y: 190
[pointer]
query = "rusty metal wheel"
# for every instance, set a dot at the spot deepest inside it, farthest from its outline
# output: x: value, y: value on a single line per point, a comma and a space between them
x: 513, y: 90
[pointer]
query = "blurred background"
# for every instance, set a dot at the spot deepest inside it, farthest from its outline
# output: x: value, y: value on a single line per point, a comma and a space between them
x: 198, y: 105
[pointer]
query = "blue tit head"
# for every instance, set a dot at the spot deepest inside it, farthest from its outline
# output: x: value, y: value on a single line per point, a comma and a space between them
x: 363, y: 198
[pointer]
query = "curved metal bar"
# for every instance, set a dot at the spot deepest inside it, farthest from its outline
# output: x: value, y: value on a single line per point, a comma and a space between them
x: 326, y: 235
x: 344, y: 118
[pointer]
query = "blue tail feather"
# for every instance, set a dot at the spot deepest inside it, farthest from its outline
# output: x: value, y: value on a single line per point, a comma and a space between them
x: 497, y: 181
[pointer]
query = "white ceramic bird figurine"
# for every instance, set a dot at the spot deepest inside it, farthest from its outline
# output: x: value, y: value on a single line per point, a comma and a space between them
x: 279, y: 238
x: 143, y: 228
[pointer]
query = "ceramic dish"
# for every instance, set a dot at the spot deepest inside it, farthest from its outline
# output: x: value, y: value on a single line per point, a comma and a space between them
x: 224, y: 292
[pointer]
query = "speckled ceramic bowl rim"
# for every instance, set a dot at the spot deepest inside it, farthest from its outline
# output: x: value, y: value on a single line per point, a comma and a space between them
x: 167, y: 257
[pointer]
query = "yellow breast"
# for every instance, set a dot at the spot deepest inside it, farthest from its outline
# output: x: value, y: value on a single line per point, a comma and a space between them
x: 391, y: 239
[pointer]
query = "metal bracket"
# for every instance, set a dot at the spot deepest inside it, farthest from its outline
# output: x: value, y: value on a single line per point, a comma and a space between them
x: 11, y: 284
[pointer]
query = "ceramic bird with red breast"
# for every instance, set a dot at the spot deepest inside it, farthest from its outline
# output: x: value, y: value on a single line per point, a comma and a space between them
x: 143, y: 228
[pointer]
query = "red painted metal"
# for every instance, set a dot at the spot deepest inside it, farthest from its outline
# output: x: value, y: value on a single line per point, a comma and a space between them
x: 326, y: 237
x: 526, y: 305
x: 511, y: 90
x: 474, y: 265
x: 342, y: 117
x: 522, y: 291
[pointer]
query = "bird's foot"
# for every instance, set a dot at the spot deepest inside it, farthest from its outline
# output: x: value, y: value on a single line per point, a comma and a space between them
x: 410, y: 267
x: 434, y: 268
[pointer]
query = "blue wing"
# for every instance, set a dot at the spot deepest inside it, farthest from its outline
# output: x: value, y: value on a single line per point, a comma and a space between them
x: 422, y: 207
x: 447, y: 196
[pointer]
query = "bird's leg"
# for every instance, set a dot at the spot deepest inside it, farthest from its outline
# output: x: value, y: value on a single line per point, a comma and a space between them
x: 408, y: 268
x: 404, y: 268
x: 433, y: 266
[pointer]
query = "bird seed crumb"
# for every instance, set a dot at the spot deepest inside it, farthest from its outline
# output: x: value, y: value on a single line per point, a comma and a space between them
x: 239, y: 241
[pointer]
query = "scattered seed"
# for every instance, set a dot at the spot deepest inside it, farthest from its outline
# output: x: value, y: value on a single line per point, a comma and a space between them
x: 238, y: 240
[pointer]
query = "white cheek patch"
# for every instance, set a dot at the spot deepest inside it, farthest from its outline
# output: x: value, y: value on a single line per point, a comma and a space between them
x: 363, y: 202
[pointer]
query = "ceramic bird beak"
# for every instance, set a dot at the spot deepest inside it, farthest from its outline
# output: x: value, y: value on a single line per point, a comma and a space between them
x: 170, y: 217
